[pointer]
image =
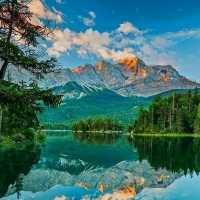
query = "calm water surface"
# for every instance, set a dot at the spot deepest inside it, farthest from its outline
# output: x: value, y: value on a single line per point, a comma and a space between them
x: 67, y: 164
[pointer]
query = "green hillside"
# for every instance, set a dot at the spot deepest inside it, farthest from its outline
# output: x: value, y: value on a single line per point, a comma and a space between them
x: 104, y: 103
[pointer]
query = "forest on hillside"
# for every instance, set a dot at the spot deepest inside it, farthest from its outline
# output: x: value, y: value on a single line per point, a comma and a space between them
x: 178, y: 113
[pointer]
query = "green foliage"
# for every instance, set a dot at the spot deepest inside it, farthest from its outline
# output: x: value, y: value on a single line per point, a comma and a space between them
x: 21, y: 105
x: 11, y: 93
x: 7, y: 143
x: 97, y: 124
x: 174, y: 114
x: 197, y: 121
x: 40, y: 137
x: 100, y: 105
x: 22, y: 139
x: 26, y: 60
x: 19, y: 37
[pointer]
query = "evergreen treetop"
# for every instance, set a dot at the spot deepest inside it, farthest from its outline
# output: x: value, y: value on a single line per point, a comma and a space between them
x: 17, y: 35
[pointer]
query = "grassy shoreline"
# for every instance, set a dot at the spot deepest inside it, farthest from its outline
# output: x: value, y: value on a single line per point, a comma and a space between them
x: 164, y: 135
x: 131, y: 135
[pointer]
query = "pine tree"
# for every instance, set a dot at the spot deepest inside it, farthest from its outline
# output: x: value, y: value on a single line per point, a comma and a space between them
x: 17, y: 35
x: 197, y: 121
x: 180, y: 121
x: 21, y: 105
x: 18, y: 39
x: 175, y: 113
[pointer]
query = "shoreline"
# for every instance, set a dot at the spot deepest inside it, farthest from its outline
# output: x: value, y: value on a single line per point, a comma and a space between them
x: 131, y: 135
x: 67, y: 130
x: 56, y: 130
x: 164, y: 135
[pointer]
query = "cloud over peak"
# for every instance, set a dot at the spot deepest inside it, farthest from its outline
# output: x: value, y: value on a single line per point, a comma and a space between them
x: 89, y: 42
x: 125, y: 41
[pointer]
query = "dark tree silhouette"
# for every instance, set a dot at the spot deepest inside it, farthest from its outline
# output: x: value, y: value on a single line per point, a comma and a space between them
x: 17, y: 35
x: 19, y: 38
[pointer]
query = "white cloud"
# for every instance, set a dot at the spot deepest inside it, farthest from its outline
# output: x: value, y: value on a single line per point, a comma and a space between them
x: 86, y: 43
x: 128, y: 27
x: 89, y: 20
x: 92, y: 14
x: 62, y: 42
x: 169, y: 39
x: 41, y: 12
x: 108, y: 46
x: 114, y: 45
x: 155, y: 57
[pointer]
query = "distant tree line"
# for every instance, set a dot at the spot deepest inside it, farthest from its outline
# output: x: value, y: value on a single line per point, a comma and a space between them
x: 178, y: 113
x: 96, y: 124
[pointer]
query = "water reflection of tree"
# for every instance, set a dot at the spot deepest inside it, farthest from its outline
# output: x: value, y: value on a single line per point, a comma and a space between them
x: 174, y: 154
x: 96, y: 138
x: 14, y: 163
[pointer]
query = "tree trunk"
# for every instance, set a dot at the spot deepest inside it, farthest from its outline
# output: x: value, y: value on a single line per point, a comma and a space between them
x: 1, y: 118
x: 3, y: 69
x: 170, y: 120
x: 6, y: 61
x: 2, y: 75
x: 152, y: 119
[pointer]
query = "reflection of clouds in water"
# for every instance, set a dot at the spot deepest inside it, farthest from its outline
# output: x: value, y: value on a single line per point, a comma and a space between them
x: 180, y: 189
x: 126, y: 173
x: 151, y: 194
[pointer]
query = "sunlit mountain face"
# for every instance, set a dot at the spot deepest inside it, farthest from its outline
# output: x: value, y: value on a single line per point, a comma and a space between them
x: 127, y: 77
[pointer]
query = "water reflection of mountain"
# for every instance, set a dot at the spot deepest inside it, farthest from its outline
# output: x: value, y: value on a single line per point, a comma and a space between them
x: 174, y: 154
x: 75, y: 155
x: 15, y: 162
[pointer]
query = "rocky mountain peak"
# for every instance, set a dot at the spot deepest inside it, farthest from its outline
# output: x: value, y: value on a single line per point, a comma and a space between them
x: 129, y: 76
x: 100, y: 66
x: 131, y: 63
x: 82, y: 69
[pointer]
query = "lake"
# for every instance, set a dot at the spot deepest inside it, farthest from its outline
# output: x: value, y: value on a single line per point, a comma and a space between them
x: 75, y: 167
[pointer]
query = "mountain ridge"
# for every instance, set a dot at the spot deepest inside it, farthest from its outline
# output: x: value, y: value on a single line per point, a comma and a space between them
x: 127, y: 77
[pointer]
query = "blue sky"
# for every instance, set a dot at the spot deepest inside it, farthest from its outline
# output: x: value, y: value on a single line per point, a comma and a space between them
x: 158, y: 31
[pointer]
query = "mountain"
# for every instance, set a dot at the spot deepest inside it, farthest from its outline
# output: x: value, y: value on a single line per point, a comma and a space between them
x: 128, y: 77
x: 101, y: 103
x: 98, y: 103
x: 104, y: 89
x: 73, y: 90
